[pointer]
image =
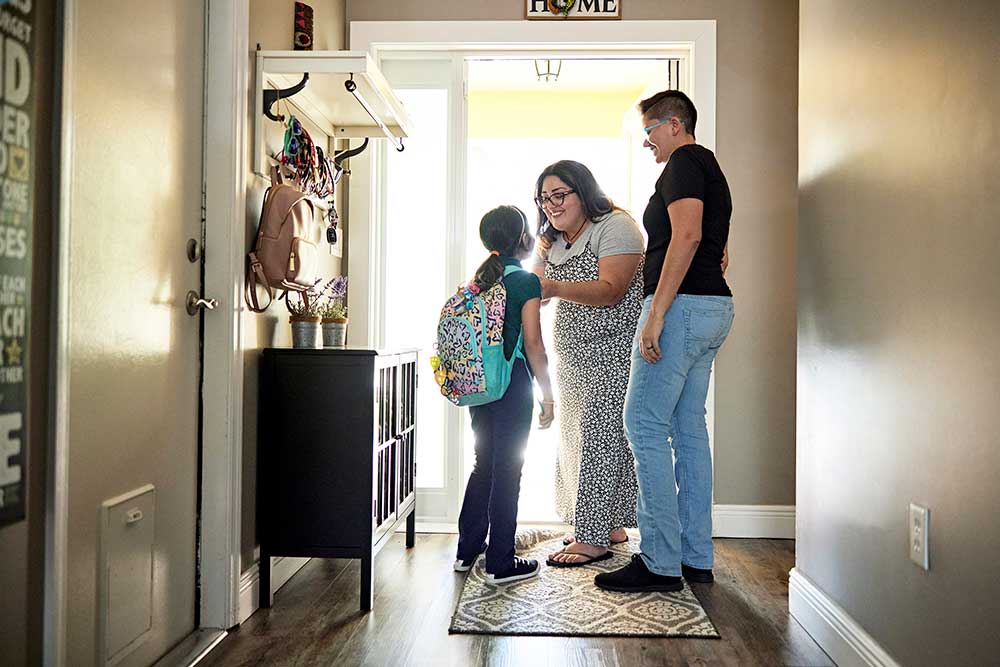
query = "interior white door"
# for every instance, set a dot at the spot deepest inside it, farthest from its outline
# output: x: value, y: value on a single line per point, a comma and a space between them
x: 134, y: 369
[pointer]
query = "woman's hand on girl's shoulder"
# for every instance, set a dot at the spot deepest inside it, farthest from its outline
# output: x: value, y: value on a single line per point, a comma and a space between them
x: 542, y: 247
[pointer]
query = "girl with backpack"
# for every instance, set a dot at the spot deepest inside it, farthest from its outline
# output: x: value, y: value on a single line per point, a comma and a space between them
x: 502, y: 426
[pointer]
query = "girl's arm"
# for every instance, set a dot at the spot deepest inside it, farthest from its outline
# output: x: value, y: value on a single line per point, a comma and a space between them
x: 534, y: 350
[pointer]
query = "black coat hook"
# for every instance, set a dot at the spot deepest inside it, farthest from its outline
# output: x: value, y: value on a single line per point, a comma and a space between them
x: 272, y: 96
x: 348, y: 153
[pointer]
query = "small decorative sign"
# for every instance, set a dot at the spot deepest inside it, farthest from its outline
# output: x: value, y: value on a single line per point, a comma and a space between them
x: 303, y: 27
x: 572, y: 9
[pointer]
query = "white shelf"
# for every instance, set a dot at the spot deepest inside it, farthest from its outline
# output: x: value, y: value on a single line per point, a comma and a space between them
x: 325, y: 100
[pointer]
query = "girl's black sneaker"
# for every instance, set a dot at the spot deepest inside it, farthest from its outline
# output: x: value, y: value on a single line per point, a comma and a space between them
x: 636, y: 578
x: 521, y: 569
x: 466, y: 565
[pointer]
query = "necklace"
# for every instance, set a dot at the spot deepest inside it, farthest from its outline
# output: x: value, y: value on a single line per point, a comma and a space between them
x: 570, y: 241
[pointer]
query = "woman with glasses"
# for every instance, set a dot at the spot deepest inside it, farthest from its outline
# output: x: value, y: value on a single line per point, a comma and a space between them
x: 590, y: 255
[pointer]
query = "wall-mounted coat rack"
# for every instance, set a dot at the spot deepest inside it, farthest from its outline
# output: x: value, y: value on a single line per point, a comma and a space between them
x: 272, y: 96
x: 341, y: 92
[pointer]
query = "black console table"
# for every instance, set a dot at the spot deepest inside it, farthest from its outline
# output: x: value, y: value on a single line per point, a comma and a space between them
x: 335, y: 456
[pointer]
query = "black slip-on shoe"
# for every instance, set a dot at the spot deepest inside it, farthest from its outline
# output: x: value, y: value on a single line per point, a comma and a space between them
x: 521, y: 569
x: 466, y: 565
x: 636, y: 578
x: 696, y: 575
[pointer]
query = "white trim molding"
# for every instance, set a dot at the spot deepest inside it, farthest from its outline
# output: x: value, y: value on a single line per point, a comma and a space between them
x: 282, y: 569
x: 631, y: 38
x: 754, y: 521
x: 57, y: 456
x: 225, y: 168
x: 843, y: 639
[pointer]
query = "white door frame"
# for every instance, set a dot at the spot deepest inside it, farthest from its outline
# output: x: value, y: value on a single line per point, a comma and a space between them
x: 510, y: 39
x: 225, y: 165
x: 225, y: 143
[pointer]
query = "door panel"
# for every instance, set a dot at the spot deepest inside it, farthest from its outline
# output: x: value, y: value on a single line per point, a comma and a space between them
x: 137, y: 105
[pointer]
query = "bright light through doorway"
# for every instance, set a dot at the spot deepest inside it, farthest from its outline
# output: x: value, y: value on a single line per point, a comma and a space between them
x: 517, y: 126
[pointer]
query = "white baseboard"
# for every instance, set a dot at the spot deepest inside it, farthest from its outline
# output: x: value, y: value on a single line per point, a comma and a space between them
x: 834, y: 630
x: 754, y: 521
x: 282, y: 569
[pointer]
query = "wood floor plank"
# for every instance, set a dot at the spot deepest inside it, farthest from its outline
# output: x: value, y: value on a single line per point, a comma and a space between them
x: 315, y: 619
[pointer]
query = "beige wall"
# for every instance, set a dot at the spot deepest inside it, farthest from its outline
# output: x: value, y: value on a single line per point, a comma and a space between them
x: 22, y: 545
x: 271, y: 27
x: 757, y: 146
x: 898, y: 315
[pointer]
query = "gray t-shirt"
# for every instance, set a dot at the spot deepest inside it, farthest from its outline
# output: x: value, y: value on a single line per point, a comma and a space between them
x: 614, y: 234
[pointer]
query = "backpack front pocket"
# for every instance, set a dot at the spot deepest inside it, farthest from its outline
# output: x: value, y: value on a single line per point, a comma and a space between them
x: 302, y: 260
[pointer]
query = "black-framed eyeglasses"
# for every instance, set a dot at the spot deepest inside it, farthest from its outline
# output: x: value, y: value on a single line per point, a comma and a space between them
x: 556, y: 198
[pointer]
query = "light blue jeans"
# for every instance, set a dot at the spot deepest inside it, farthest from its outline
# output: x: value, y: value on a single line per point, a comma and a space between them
x: 664, y: 412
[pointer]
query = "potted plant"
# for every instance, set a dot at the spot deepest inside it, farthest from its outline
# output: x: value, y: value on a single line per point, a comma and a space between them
x: 305, y: 317
x: 333, y: 312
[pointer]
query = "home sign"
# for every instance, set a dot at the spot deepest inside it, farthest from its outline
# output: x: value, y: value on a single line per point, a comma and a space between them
x: 572, y: 9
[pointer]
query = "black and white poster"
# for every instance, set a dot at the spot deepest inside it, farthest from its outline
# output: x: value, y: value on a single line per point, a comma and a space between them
x: 17, y: 155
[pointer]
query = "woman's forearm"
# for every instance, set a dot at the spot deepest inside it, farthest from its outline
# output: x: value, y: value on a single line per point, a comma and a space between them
x: 680, y: 252
x: 592, y: 293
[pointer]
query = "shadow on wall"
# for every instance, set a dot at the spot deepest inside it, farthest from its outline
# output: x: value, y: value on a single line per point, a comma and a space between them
x: 897, y: 229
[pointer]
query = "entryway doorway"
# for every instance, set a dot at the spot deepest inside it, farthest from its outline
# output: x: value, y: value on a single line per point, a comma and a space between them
x: 423, y: 205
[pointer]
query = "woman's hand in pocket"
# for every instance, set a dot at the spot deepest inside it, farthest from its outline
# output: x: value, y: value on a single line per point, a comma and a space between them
x: 547, y: 415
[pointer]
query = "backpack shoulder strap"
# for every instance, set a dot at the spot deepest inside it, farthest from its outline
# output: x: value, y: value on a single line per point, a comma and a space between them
x: 254, y: 270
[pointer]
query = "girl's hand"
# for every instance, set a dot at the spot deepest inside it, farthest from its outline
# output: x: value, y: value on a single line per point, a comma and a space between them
x: 547, y: 415
x: 649, y: 339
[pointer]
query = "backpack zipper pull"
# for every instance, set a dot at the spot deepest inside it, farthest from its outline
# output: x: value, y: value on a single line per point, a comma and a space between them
x: 291, y: 262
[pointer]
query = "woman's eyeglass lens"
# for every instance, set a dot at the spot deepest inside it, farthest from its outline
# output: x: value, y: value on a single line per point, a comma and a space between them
x: 556, y: 198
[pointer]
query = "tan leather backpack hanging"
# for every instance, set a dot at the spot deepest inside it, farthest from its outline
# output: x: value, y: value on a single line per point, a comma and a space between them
x: 283, y: 257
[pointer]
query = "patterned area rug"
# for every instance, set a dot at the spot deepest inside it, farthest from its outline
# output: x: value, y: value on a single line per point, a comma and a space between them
x: 565, y: 601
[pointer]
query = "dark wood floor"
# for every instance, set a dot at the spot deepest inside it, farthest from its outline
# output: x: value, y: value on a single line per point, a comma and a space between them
x: 315, y: 618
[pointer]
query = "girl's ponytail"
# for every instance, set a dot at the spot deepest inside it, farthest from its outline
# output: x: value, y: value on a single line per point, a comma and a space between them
x: 501, y: 231
x: 489, y: 272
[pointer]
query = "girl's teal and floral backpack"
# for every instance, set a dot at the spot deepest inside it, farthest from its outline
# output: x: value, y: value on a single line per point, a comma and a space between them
x: 470, y: 365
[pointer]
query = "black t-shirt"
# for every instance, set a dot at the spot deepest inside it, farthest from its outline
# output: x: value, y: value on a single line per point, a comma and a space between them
x: 691, y: 172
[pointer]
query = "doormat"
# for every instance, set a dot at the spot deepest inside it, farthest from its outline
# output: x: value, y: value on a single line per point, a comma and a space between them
x: 565, y: 601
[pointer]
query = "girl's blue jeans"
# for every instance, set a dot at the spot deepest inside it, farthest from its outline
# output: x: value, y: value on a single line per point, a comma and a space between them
x: 490, y: 505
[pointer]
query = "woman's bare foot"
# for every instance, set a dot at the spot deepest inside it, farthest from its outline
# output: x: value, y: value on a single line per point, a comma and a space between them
x: 617, y: 536
x: 578, y: 552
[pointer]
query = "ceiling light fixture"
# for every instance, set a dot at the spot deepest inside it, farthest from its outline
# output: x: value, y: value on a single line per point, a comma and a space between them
x: 548, y: 73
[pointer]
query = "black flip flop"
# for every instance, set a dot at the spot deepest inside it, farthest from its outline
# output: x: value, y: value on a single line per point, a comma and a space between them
x: 569, y: 540
x: 590, y: 559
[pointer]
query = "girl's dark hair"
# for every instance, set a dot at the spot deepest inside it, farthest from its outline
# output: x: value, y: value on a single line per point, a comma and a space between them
x: 578, y: 178
x: 503, y: 230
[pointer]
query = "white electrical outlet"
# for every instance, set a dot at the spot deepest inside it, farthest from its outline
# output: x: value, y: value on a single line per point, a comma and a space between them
x: 920, y: 535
